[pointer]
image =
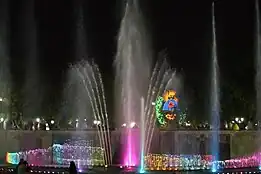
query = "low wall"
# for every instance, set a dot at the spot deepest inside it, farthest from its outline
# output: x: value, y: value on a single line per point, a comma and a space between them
x: 232, y: 144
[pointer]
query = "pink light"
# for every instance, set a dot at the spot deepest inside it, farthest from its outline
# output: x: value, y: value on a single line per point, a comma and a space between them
x: 129, y: 149
x: 131, y: 152
x: 244, y: 162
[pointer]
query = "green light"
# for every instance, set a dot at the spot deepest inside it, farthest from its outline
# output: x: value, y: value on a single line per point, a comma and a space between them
x: 159, y: 114
x: 182, y: 117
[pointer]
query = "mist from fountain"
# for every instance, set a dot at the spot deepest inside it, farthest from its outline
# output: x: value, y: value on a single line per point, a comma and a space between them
x: 162, y: 78
x: 5, y: 78
x: 91, y: 90
x: 85, y: 92
x: 214, y: 93
x: 32, y: 93
x: 133, y: 65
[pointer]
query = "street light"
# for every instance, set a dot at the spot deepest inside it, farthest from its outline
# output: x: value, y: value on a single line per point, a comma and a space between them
x: 37, y: 120
x: 96, y: 122
x: 240, y: 120
x: 47, y: 127
x: 132, y: 125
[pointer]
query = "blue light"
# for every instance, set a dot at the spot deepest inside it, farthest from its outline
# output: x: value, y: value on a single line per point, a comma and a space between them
x: 259, y: 168
x: 214, y: 168
x: 142, y: 163
x: 142, y: 170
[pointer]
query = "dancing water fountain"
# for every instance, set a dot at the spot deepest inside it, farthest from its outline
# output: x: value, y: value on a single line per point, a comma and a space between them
x: 160, y: 80
x: 136, y: 83
x: 133, y: 66
x: 84, y: 102
x: 89, y: 90
x: 214, y: 93
x: 139, y: 88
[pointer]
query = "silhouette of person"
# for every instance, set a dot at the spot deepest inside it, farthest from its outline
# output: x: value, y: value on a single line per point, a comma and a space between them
x: 20, y: 162
x: 72, y: 168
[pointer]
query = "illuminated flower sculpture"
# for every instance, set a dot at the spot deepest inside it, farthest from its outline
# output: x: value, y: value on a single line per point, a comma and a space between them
x: 166, y: 107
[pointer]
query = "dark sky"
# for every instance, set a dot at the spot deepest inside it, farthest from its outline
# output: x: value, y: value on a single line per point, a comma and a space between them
x: 181, y: 27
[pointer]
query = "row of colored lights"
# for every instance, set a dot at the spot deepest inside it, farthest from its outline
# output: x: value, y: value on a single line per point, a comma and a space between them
x: 152, y: 161
x: 61, y: 155
x: 245, y: 162
x: 177, y: 162
x: 197, y: 162
x: 94, y: 156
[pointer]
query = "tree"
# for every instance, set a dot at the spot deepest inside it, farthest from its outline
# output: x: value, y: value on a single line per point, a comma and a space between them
x: 236, y: 102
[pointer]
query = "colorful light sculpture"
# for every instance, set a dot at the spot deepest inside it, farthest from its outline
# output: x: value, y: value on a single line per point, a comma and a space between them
x: 166, y: 107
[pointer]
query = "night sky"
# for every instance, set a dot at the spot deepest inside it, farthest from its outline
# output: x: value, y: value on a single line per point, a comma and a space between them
x: 181, y: 28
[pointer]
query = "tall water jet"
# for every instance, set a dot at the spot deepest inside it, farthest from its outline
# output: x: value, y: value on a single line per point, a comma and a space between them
x: 132, y: 75
x: 5, y: 78
x: 214, y: 93
x: 258, y: 66
x: 32, y: 93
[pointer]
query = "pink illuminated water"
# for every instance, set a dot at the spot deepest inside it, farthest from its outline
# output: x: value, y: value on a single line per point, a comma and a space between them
x: 131, y: 146
x: 128, y: 157
x: 133, y: 68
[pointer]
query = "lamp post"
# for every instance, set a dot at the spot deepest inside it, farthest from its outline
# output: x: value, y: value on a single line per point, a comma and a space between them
x: 1, y: 111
